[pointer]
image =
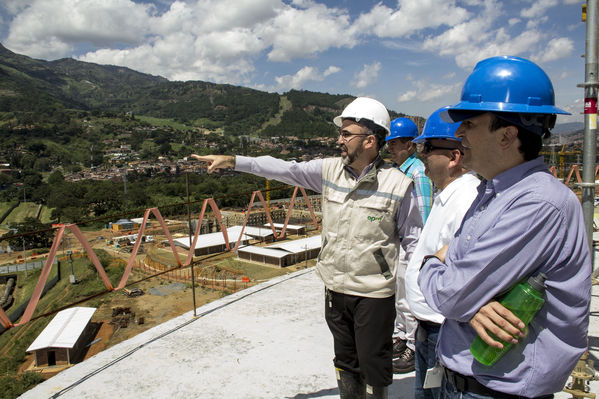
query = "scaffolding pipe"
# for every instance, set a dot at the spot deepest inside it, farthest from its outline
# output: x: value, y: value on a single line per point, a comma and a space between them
x: 590, y: 121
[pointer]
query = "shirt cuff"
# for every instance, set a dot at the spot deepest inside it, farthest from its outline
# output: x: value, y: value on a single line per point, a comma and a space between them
x: 242, y: 164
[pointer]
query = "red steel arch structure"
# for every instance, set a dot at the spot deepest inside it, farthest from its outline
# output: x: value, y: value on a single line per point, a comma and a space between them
x: 574, y: 169
x: 35, y: 296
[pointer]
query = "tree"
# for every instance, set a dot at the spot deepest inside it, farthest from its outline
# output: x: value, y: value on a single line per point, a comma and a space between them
x: 33, y: 238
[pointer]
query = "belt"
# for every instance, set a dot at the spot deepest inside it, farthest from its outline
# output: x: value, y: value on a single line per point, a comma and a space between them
x: 464, y: 383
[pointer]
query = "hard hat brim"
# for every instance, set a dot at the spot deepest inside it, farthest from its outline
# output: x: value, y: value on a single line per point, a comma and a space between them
x: 466, y: 110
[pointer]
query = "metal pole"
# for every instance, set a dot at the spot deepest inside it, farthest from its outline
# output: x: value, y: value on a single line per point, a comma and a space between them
x: 24, y: 257
x: 590, y: 120
x: 191, y: 251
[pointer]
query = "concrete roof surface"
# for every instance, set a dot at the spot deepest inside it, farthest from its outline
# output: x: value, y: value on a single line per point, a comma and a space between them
x: 268, y: 341
x: 64, y: 329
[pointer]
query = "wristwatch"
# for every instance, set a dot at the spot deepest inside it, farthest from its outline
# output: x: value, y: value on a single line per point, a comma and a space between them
x: 427, y: 258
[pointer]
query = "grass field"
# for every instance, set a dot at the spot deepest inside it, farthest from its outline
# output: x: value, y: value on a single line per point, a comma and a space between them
x: 25, y: 209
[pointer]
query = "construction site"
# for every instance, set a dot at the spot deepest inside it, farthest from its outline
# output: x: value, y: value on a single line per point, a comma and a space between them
x: 95, y: 288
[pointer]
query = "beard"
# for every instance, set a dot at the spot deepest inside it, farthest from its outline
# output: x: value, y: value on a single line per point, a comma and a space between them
x: 349, y: 157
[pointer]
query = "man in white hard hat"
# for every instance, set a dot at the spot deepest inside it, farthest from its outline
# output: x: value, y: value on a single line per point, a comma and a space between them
x: 367, y: 206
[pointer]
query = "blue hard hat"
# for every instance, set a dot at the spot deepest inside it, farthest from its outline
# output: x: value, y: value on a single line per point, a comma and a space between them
x: 402, y: 127
x: 505, y: 84
x: 436, y: 128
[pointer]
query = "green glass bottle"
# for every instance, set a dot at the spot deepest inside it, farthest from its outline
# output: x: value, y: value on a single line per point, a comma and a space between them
x: 524, y: 300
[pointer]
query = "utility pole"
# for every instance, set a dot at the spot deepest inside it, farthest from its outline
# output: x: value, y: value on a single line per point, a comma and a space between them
x: 125, y: 179
x: 24, y: 257
x: 191, y: 250
x: 590, y: 119
x: 72, y: 278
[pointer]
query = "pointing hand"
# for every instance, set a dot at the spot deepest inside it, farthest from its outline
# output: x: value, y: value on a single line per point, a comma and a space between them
x: 216, y: 161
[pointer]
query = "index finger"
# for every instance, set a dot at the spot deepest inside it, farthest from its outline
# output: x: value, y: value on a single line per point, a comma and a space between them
x: 201, y: 157
x: 507, y: 315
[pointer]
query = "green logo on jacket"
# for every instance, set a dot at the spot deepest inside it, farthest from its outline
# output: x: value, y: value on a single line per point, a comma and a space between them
x: 374, y: 219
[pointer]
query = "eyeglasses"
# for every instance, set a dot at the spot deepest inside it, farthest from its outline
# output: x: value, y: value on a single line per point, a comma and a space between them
x: 427, y: 148
x: 347, y: 136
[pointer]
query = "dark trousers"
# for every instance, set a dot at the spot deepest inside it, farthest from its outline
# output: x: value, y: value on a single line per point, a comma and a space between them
x: 362, y: 329
x: 425, y: 358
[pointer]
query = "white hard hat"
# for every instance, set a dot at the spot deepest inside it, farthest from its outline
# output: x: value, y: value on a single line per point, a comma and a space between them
x: 365, y: 108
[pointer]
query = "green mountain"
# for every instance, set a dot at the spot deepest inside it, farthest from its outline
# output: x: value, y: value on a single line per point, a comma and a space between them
x: 35, y: 91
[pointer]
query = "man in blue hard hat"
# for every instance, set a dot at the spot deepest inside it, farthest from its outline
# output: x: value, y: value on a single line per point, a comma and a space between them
x: 443, y: 157
x: 522, y: 222
x: 403, y: 152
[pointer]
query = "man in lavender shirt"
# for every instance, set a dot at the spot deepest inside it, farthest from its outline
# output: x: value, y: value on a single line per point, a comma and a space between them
x: 523, y: 221
x: 367, y: 206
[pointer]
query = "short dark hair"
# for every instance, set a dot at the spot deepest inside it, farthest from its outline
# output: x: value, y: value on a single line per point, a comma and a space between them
x: 530, y: 143
x: 379, y: 132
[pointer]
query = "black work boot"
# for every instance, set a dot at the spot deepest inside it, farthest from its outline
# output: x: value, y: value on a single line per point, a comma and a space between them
x: 376, y: 392
x: 405, y: 363
x: 351, y: 385
x: 399, y: 346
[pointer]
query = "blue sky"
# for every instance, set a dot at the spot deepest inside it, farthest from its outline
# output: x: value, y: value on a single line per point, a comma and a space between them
x: 413, y: 55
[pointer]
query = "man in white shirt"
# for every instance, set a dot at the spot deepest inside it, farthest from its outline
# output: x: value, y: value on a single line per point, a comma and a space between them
x: 443, y: 160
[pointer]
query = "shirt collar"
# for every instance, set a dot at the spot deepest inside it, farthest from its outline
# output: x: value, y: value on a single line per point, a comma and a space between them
x: 378, y: 161
x: 445, y: 194
x: 407, y: 164
x: 513, y: 175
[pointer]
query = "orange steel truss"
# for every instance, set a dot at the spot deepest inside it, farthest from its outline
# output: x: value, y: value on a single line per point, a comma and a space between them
x: 574, y: 169
x: 35, y: 296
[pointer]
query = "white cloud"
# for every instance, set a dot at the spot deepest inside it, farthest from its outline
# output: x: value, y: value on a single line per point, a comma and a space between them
x: 97, y: 22
x: 474, y: 40
x: 426, y: 91
x: 450, y: 75
x: 536, y: 22
x: 331, y: 70
x: 574, y: 108
x: 367, y: 75
x: 411, y: 16
x: 572, y: 2
x: 295, y: 33
x: 556, y: 48
x: 538, y: 8
x: 407, y: 96
x: 513, y: 21
x: 215, y: 40
x: 302, y: 76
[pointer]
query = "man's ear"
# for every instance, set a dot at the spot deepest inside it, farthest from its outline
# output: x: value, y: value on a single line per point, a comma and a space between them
x: 508, y: 135
x: 456, y: 157
x: 371, y: 141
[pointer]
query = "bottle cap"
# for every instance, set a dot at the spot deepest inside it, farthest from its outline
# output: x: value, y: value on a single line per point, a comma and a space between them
x: 538, y: 282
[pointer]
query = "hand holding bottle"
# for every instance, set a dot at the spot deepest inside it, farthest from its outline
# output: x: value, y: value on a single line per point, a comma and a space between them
x: 523, y: 301
x: 497, y: 319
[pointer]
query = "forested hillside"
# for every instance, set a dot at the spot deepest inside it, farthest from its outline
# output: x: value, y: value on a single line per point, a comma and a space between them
x: 89, y: 123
